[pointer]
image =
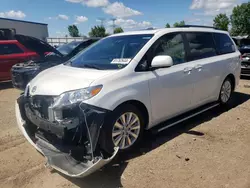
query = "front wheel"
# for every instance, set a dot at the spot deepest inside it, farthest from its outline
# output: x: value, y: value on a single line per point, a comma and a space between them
x: 225, y: 92
x: 123, y: 129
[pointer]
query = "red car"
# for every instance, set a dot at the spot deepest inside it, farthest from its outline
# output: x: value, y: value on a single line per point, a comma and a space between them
x: 11, y: 53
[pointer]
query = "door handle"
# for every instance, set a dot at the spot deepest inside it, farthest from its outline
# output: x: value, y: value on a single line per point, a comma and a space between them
x: 188, y: 69
x: 198, y: 66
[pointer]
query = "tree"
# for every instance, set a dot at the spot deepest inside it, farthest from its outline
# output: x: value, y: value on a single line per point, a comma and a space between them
x: 240, y: 20
x: 118, y: 30
x: 167, y: 25
x: 98, y: 31
x: 177, y: 24
x: 221, y: 21
x: 73, y: 31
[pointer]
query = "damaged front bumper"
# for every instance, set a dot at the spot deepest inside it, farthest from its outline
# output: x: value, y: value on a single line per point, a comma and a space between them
x: 58, y: 156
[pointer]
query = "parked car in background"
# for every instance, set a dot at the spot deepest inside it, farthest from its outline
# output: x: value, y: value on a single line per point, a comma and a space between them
x: 80, y: 113
x: 11, y: 53
x: 23, y: 72
x: 244, y: 49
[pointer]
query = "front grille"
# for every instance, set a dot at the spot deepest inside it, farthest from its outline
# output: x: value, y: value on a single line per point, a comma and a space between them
x: 40, y: 105
x: 245, y: 71
x: 245, y: 64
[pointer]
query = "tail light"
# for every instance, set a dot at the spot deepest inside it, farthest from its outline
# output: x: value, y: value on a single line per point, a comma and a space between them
x: 243, y: 55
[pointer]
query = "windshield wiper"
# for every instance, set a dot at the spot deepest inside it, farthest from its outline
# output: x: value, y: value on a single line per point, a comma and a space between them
x: 91, y: 66
x: 67, y: 63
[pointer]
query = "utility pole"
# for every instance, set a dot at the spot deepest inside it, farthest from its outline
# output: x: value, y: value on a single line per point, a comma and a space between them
x: 102, y: 21
x: 113, y: 25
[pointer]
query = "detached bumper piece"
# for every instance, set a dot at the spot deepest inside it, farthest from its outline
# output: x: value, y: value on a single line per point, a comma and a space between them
x: 73, y: 152
x: 69, y: 166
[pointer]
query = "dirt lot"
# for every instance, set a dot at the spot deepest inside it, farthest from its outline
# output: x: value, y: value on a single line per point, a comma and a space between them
x: 212, y: 150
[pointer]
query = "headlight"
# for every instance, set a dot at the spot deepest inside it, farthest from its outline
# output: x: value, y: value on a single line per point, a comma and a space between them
x: 72, y: 97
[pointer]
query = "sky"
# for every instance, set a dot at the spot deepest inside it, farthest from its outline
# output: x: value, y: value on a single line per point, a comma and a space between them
x: 128, y: 14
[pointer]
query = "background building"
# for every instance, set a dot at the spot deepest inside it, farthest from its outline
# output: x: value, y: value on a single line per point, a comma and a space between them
x: 38, y: 30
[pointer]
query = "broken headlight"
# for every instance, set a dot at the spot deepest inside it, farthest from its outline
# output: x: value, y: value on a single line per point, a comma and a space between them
x: 72, y: 97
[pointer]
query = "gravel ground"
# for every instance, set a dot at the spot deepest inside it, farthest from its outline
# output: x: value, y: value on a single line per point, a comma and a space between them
x: 211, y: 150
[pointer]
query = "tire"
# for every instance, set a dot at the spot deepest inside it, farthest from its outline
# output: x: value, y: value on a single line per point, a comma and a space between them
x: 226, y: 92
x: 113, y: 125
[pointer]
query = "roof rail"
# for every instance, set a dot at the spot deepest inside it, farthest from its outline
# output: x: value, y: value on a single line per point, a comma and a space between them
x: 201, y: 26
x: 150, y: 28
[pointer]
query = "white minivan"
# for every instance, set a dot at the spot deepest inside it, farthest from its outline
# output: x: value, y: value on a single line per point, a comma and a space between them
x: 81, y: 113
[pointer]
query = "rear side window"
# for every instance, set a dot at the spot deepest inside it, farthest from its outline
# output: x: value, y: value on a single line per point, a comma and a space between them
x: 201, y: 45
x: 7, y: 49
x: 224, y: 44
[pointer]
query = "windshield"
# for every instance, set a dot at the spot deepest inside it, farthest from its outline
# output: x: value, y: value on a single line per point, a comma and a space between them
x: 67, y: 48
x: 111, y: 53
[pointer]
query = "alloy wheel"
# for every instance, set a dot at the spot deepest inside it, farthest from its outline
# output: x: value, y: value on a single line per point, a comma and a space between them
x: 126, y: 130
x: 226, y: 91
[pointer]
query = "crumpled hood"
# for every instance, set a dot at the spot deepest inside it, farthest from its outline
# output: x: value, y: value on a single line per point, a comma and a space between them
x: 47, y: 62
x: 36, y: 45
x: 59, y: 79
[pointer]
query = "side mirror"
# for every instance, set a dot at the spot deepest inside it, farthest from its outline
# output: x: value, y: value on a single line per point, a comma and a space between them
x: 162, y: 61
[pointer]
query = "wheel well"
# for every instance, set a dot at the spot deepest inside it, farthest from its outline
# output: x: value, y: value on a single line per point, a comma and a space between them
x: 140, y: 107
x: 232, y: 78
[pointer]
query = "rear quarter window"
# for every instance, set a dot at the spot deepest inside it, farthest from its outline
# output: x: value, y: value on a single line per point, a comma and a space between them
x: 224, y: 44
x: 201, y: 45
x: 7, y: 49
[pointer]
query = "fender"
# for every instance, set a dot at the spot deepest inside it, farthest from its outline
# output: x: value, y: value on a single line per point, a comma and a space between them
x: 111, y: 99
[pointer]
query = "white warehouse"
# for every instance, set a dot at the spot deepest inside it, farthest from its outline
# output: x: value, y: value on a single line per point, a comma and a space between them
x: 38, y: 30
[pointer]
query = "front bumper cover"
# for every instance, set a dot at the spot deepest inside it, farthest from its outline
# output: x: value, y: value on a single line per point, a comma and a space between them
x: 57, y: 159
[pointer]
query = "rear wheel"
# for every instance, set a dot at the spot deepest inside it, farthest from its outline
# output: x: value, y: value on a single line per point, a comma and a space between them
x: 123, y: 129
x: 226, y: 91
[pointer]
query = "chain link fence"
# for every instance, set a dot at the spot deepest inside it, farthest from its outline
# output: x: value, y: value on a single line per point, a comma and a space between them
x: 57, y: 41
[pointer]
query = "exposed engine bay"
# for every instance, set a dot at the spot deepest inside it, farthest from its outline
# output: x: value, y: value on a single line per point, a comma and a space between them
x: 22, y: 73
x: 67, y: 137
